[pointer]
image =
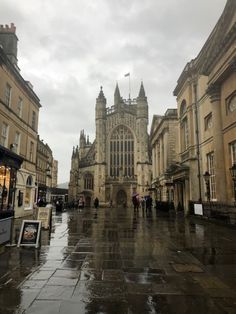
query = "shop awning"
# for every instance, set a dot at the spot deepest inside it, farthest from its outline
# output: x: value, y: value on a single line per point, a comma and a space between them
x: 9, y: 158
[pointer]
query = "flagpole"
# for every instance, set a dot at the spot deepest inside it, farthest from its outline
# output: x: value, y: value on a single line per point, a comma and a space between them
x: 129, y: 89
x: 128, y: 74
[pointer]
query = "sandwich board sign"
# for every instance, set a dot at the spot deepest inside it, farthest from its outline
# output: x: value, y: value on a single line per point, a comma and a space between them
x: 30, y: 233
x: 44, y: 215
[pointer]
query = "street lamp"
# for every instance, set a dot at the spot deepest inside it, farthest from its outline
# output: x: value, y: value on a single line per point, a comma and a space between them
x: 233, y: 175
x: 206, y: 177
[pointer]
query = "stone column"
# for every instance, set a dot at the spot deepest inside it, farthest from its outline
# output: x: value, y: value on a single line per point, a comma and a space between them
x: 214, y: 92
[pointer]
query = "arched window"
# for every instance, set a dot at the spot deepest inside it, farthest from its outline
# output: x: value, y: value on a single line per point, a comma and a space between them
x: 184, y: 132
x: 28, y: 192
x: 29, y: 181
x: 88, y: 181
x: 121, y: 152
x: 183, y: 108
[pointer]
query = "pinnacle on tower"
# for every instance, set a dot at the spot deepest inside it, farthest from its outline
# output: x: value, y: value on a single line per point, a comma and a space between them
x: 142, y: 91
x: 101, y: 94
x: 117, y: 97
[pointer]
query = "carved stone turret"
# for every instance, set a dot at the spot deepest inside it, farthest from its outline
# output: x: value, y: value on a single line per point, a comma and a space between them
x: 142, y: 105
x: 101, y: 105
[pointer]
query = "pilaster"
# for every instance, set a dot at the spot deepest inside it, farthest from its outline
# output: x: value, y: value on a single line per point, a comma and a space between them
x: 214, y: 92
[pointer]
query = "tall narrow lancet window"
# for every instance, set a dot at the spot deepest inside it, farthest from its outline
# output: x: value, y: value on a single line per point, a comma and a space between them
x: 88, y: 181
x: 122, y: 152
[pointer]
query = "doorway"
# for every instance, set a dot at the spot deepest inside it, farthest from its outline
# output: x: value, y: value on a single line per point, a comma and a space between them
x: 121, y: 198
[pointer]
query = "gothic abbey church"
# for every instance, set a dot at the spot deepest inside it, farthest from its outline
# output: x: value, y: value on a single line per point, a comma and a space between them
x: 117, y: 164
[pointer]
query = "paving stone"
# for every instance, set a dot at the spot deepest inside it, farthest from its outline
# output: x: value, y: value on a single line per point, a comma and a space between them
x: 42, y: 274
x: 164, y: 265
x: 44, y: 307
x: 58, y: 281
x: 67, y: 273
x: 56, y: 293
x: 184, y: 268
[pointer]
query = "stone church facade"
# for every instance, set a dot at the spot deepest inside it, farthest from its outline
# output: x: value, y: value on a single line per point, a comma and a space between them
x: 117, y: 164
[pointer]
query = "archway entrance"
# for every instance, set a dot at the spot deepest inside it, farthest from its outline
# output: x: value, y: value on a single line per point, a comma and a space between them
x: 88, y: 201
x: 121, y: 198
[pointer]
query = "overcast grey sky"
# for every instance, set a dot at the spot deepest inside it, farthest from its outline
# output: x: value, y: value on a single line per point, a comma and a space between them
x: 68, y: 49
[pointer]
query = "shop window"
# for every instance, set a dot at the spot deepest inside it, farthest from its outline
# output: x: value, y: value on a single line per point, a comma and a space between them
x: 4, y: 186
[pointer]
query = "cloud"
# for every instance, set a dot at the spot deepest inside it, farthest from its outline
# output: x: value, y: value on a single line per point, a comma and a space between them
x: 68, y: 49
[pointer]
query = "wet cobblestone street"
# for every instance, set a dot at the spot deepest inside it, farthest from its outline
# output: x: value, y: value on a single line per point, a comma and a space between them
x: 121, y: 261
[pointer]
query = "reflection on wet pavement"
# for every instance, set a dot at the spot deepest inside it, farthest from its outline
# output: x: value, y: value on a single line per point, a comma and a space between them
x: 120, y: 261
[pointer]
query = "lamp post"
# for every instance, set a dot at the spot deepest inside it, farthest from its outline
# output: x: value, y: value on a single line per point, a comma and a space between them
x: 233, y: 175
x: 206, y: 177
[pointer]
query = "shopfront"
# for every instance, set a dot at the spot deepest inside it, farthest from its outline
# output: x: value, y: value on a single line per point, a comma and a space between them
x: 9, y: 164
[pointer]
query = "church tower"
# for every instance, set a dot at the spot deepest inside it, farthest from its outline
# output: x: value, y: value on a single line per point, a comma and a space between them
x: 117, y: 164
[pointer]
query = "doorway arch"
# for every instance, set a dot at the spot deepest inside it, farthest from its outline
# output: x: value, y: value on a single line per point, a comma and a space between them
x: 121, y: 198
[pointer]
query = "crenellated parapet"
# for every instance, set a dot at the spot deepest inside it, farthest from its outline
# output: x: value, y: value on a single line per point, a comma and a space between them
x: 7, y: 28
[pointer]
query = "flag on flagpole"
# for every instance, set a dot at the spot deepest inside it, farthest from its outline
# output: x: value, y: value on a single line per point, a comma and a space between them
x: 127, y: 74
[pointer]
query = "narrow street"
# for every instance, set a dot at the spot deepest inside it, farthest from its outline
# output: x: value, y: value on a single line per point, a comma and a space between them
x: 121, y: 261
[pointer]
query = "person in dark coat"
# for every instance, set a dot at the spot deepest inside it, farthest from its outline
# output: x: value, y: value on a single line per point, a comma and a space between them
x: 96, y: 203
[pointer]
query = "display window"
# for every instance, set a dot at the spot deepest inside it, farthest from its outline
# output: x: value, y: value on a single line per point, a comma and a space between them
x: 7, y: 186
x: 9, y: 164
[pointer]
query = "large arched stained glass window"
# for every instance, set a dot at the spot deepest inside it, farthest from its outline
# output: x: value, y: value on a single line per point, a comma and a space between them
x: 121, y: 152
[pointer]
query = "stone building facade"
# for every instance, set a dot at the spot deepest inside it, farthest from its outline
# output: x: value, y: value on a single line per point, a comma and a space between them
x: 164, y: 144
x: 117, y: 164
x: 46, y: 171
x: 206, y: 100
x: 54, y: 173
x: 19, y: 111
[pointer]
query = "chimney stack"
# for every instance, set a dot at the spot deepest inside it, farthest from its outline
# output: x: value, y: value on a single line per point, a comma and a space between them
x: 8, y: 41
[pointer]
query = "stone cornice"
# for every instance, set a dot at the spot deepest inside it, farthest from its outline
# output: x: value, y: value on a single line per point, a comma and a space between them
x: 213, y: 91
x: 188, y: 72
x: 210, y: 58
x: 218, y: 43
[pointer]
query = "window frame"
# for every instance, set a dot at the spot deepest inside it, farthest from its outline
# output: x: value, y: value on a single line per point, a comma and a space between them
x: 211, y: 170
x: 4, y: 135
x: 121, y: 152
x: 8, y: 92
